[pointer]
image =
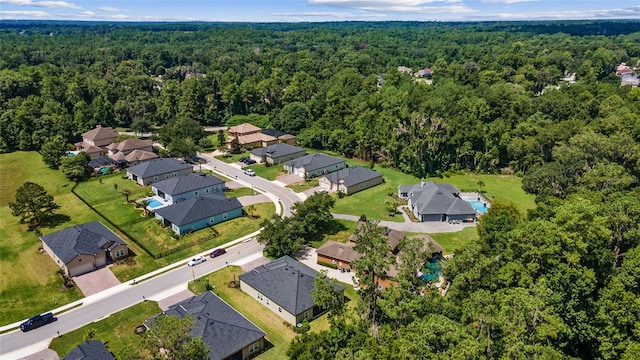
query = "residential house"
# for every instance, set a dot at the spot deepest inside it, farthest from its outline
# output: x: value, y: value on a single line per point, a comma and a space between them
x: 285, y: 287
x: 227, y: 333
x: 623, y: 68
x: 243, y: 130
x: 158, y: 169
x: 351, y: 180
x: 393, y: 236
x: 250, y: 136
x: 84, y: 248
x: 283, y: 138
x: 629, y: 79
x: 313, y: 165
x: 188, y: 186
x: 339, y: 254
x: 431, y: 201
x: 404, y: 69
x: 90, y: 350
x: 199, y: 212
x: 139, y: 156
x: 94, y: 141
x: 423, y: 73
x: 276, y: 153
x: 129, y: 145
x: 104, y: 162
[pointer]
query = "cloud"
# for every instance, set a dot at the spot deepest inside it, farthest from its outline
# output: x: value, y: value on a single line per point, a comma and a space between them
x: 47, y: 4
x: 23, y: 14
x: 299, y: 16
x: 396, y: 6
x: 619, y: 13
x: 505, y: 1
x: 109, y: 9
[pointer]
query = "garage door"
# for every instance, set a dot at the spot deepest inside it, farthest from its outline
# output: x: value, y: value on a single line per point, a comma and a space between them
x: 81, y: 269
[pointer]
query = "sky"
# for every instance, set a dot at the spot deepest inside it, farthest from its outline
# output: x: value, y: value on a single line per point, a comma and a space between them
x: 318, y: 10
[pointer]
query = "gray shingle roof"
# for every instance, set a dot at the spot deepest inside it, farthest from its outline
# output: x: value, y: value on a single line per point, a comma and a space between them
x: 277, y: 150
x: 352, y: 175
x: 186, y: 183
x: 224, y: 330
x: 286, y: 281
x: 198, y: 208
x: 313, y: 162
x: 158, y: 167
x: 90, y: 238
x: 90, y: 350
x: 435, y: 198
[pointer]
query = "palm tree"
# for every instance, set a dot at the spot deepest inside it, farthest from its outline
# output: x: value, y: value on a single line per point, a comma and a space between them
x: 126, y: 193
x: 480, y: 185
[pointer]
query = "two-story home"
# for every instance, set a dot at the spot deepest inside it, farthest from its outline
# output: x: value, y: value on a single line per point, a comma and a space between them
x: 276, y: 153
x: 158, y: 169
x: 94, y: 141
x: 185, y: 187
x: 313, y: 165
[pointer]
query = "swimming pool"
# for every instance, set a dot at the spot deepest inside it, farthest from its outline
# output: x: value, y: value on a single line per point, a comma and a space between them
x: 153, y: 203
x: 478, y: 205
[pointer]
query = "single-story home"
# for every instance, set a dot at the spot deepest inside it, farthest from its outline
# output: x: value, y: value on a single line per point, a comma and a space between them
x: 158, y: 169
x: 199, y: 212
x: 90, y: 350
x: 139, y: 156
x: 276, y: 153
x: 393, y: 236
x: 285, y: 287
x: 84, y: 248
x: 423, y: 73
x: 339, y: 254
x: 312, y: 165
x: 185, y: 187
x: 351, y: 179
x: 431, y: 201
x: 250, y: 136
x: 283, y: 138
x: 227, y: 333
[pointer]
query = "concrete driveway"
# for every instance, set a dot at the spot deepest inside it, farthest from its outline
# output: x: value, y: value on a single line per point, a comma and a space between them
x: 309, y: 257
x: 96, y: 281
x: 253, y: 199
x: 285, y: 180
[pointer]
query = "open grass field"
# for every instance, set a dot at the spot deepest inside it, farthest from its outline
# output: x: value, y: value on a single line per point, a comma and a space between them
x: 29, y: 282
x: 117, y: 330
x: 303, y: 185
x: 268, y: 172
x: 454, y: 241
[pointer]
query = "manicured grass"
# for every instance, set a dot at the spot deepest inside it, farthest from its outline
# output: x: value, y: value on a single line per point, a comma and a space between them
x: 243, y: 191
x: 303, y: 185
x: 338, y: 230
x: 268, y: 172
x: 231, y: 158
x: 117, y: 330
x: 452, y: 242
x: 279, y: 334
x: 29, y: 282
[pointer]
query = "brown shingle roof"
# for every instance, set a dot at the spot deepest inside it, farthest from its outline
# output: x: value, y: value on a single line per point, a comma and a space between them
x: 339, y: 251
x: 100, y: 133
x: 140, y: 155
x: 244, y: 128
x: 131, y: 144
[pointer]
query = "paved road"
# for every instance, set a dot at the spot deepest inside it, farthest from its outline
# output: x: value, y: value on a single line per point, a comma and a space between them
x: 278, y: 194
x: 17, y: 344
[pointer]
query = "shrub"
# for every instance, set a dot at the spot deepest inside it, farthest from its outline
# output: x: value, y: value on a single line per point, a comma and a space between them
x: 327, y: 264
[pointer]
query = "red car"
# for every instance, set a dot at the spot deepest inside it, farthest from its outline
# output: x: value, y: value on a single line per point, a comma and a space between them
x: 218, y: 252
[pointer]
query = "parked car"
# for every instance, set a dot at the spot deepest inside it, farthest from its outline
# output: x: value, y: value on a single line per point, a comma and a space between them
x: 243, y: 159
x: 249, y: 161
x: 218, y: 252
x: 250, y: 172
x: 37, y: 321
x: 197, y: 260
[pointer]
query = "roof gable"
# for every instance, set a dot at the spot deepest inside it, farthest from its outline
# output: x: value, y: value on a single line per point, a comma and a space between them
x: 285, y: 281
x: 435, y: 198
x: 352, y: 175
x: 223, y: 329
x: 277, y: 150
x: 90, y: 350
x: 157, y: 167
x: 139, y: 155
x: 244, y: 128
x: 186, y: 183
x: 315, y: 161
x: 338, y: 250
x: 100, y: 133
x: 90, y: 238
x: 198, y: 208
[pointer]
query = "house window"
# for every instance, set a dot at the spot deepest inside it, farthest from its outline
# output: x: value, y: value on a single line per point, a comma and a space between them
x: 119, y: 253
x: 267, y: 301
x: 306, y: 315
x: 195, y: 193
x: 259, y: 296
x: 207, y: 191
x: 224, y: 216
x: 254, y: 347
x: 212, y: 220
x: 155, y: 178
x: 280, y: 309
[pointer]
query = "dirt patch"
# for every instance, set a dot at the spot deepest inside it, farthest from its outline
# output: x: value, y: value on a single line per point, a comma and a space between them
x: 96, y: 281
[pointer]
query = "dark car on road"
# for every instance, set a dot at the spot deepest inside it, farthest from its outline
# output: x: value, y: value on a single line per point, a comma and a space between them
x: 249, y: 161
x: 37, y: 321
x: 218, y: 252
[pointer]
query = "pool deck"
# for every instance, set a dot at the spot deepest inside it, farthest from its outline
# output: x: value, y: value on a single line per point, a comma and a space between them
x: 162, y: 202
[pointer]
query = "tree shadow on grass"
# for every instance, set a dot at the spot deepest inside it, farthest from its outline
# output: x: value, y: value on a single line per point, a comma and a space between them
x: 55, y: 220
x: 335, y: 227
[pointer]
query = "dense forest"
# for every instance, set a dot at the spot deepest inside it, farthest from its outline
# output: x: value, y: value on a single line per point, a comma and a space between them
x: 562, y: 281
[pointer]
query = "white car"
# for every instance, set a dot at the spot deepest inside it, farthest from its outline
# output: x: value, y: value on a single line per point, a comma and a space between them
x: 250, y: 172
x: 197, y: 260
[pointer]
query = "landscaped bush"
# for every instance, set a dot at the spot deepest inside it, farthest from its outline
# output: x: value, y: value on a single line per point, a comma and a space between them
x: 327, y: 264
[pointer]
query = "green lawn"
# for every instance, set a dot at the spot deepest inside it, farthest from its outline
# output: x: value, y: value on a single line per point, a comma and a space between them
x: 29, y: 282
x: 267, y: 172
x: 117, y: 330
x: 303, y: 185
x: 338, y: 230
x: 231, y: 158
x: 238, y: 192
x: 279, y: 334
x: 452, y: 242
